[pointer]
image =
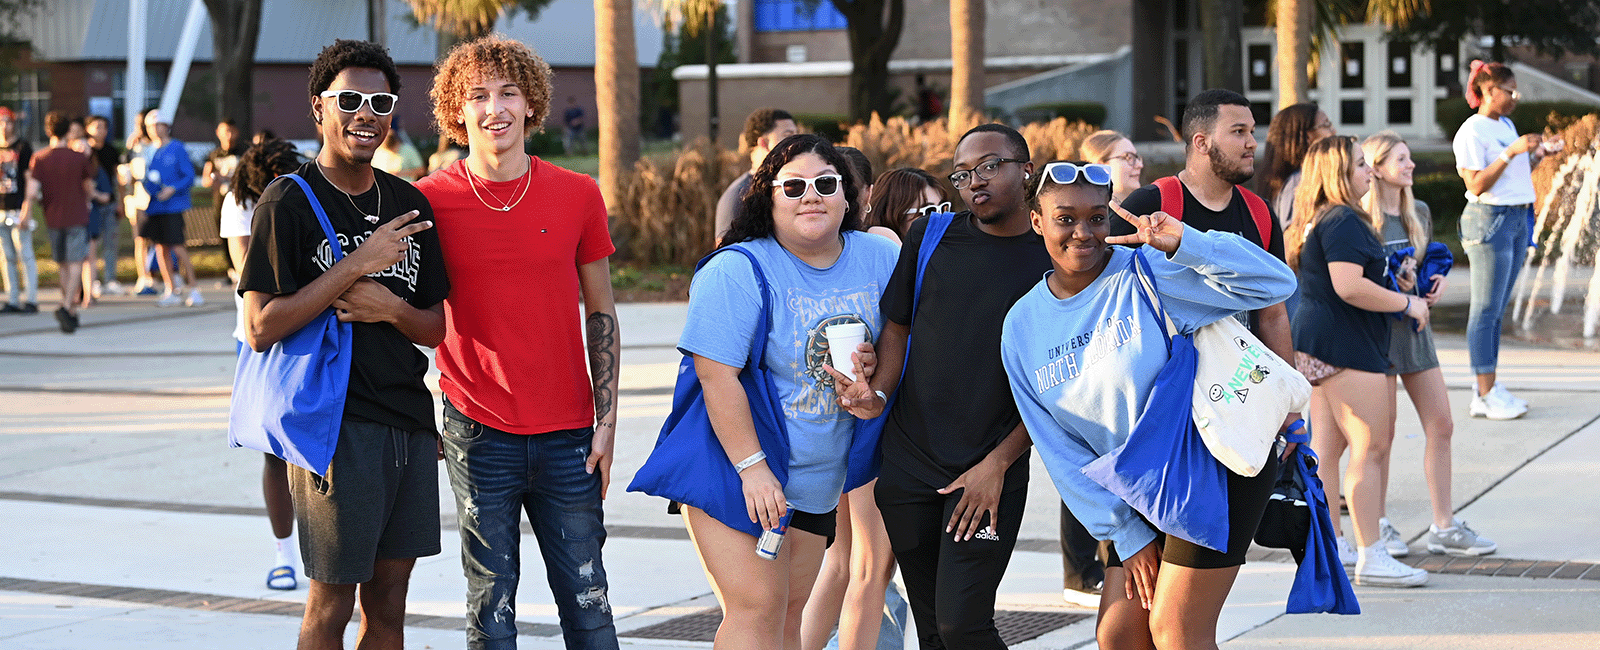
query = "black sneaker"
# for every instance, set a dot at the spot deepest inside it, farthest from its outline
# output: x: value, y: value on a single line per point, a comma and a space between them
x: 68, y: 322
x: 10, y: 308
x: 30, y: 308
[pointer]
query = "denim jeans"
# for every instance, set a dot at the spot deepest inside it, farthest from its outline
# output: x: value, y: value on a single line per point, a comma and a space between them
x: 495, y: 477
x: 1496, y: 241
x: 16, y: 243
x: 107, y: 214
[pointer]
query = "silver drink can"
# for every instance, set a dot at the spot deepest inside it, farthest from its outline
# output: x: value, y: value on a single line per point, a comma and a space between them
x: 772, y: 540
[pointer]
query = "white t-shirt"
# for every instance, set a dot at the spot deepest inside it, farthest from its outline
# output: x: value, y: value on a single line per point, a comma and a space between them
x: 236, y: 220
x: 1479, y: 141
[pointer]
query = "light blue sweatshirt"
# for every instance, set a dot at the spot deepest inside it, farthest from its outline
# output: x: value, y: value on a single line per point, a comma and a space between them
x: 1081, y: 368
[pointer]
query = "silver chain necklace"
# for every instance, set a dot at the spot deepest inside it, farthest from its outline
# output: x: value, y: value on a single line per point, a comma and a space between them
x: 371, y: 218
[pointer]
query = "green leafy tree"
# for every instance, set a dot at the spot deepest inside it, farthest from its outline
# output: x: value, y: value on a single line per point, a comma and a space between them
x: 1550, y: 27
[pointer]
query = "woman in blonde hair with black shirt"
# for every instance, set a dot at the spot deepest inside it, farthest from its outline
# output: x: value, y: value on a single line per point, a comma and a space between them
x: 1341, y: 340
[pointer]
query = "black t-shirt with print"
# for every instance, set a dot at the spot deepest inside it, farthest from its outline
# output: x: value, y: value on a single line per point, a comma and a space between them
x: 955, y: 405
x: 14, y: 160
x: 1325, y: 326
x: 288, y: 250
x: 1235, y: 218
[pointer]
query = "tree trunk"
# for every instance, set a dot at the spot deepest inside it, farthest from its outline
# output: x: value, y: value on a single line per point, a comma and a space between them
x: 235, y: 27
x: 1294, y: 19
x: 1221, y: 22
x: 616, y: 79
x: 377, y: 22
x: 873, y: 39
x: 713, y: 116
x: 966, y: 65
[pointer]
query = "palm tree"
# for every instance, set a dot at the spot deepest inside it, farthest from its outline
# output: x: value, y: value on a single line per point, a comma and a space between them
x: 966, y: 64
x: 235, y: 28
x: 616, y: 80
x: 1294, y: 51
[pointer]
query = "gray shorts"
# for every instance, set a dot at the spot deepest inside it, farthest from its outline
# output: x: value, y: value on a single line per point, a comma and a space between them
x: 1409, y: 350
x: 69, y: 244
x: 379, y: 501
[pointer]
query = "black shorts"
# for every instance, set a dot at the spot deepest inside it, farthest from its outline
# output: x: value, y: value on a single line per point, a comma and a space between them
x: 1247, y: 499
x: 379, y: 501
x: 825, y: 525
x: 163, y: 228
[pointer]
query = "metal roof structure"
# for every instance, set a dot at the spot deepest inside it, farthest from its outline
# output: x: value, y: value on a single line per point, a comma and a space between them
x: 294, y: 31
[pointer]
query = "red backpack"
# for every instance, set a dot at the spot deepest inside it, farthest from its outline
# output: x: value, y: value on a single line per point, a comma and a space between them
x: 1171, y: 190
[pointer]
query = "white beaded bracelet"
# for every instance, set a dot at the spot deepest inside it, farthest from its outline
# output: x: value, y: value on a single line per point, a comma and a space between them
x: 746, y: 463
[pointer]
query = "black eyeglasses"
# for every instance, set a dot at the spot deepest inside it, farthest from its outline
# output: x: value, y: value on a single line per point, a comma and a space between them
x: 350, y: 101
x: 1065, y: 173
x: 1130, y: 158
x: 984, y: 170
x: 794, y: 188
x: 929, y: 209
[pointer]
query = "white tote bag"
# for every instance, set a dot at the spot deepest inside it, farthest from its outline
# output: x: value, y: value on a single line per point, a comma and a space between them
x: 1242, y: 390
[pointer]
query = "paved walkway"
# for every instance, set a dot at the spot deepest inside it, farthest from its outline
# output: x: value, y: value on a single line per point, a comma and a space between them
x: 129, y: 523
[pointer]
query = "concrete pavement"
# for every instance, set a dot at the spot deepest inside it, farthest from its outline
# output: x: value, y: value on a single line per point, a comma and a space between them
x: 130, y: 524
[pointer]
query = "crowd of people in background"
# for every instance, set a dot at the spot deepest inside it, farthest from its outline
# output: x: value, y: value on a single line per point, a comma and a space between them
x: 1327, y: 260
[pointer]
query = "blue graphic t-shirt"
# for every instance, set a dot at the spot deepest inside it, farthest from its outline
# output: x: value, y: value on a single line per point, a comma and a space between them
x: 724, y: 304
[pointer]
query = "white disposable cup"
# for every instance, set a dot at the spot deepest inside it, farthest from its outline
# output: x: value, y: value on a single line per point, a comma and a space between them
x: 842, y: 340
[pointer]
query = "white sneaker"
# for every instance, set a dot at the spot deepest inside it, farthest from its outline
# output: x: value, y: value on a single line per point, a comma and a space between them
x: 1391, y: 539
x: 1347, y: 553
x: 168, y: 299
x: 1085, y: 598
x: 1459, y: 540
x: 1375, y: 568
x: 113, y: 288
x: 1505, y: 395
x: 195, y: 299
x: 1494, y: 407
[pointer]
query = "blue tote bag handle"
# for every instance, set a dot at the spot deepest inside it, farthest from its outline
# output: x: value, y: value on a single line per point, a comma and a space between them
x: 288, y: 401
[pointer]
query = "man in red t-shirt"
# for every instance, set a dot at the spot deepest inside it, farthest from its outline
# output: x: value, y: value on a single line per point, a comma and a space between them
x: 63, y: 180
x: 527, y: 426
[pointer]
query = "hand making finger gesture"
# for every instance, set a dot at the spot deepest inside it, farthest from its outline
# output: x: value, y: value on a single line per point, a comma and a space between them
x: 388, y: 244
x: 1159, y: 231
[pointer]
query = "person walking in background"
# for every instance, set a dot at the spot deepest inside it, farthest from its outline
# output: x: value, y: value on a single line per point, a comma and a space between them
x: 1116, y: 151
x: 1496, y: 225
x: 900, y: 197
x: 390, y: 287
x: 1401, y: 222
x: 1080, y: 402
x: 167, y: 178
x: 801, y: 223
x: 1290, y: 135
x: 955, y: 451
x: 62, y: 180
x: 257, y: 167
x: 101, y: 197
x: 223, y: 161
x: 763, y: 130
x: 1341, y: 342
x: 572, y: 128
x: 16, y: 219
x: 399, y: 157
x: 105, y: 155
x: 528, y: 427
x: 135, y: 200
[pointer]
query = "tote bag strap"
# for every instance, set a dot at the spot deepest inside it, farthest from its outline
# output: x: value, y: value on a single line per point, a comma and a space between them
x: 759, y: 348
x: 322, y: 217
x: 1141, y: 268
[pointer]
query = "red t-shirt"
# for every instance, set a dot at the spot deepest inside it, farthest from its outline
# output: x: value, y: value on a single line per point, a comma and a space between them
x: 513, y: 356
x: 61, y: 172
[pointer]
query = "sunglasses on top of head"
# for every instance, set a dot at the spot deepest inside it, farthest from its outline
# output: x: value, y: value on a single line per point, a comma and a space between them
x: 350, y: 101
x: 795, y: 188
x: 930, y: 209
x: 1065, y: 173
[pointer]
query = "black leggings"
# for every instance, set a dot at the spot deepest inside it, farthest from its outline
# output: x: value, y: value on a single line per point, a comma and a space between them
x: 950, y: 585
x: 1247, y: 500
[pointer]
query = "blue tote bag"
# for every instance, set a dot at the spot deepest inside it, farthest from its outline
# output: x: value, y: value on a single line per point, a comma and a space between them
x: 1164, y: 470
x: 688, y: 464
x: 289, y: 400
x: 1320, y: 584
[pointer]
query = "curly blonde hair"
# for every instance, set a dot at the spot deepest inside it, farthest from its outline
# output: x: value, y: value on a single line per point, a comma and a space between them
x: 491, y: 56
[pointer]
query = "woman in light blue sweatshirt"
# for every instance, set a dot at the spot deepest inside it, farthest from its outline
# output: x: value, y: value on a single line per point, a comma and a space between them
x: 1082, y: 352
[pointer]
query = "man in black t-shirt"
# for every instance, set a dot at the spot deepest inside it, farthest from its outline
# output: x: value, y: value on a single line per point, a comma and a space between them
x: 377, y: 509
x: 955, y: 453
x: 16, y: 222
x: 1220, y: 146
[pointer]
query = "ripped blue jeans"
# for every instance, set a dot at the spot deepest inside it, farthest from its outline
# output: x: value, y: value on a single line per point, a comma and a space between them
x: 495, y: 477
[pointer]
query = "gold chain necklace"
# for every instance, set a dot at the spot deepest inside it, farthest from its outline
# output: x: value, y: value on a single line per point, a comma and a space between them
x: 504, y: 207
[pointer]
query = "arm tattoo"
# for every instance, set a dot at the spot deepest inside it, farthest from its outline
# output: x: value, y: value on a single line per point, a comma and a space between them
x: 603, y: 344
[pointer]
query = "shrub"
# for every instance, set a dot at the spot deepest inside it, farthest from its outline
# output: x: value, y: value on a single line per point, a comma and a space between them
x: 832, y: 127
x: 1088, y: 112
x: 667, y: 209
x: 1446, y: 196
x: 1530, y: 117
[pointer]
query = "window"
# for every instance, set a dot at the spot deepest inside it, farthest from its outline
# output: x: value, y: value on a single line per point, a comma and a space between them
x: 1399, y: 64
x: 1259, y: 61
x: 795, y: 16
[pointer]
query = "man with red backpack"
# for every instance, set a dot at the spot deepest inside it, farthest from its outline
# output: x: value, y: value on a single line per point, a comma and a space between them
x: 1207, y: 194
